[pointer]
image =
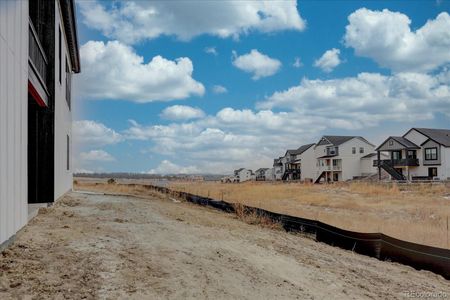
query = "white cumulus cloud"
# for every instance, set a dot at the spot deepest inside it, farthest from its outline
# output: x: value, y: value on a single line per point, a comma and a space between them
x: 96, y: 156
x: 219, y: 89
x: 297, y: 63
x: 329, y: 60
x: 182, y: 112
x: 113, y: 70
x: 168, y: 167
x: 133, y: 21
x: 211, y: 50
x: 367, y: 99
x: 387, y: 38
x: 92, y: 133
x: 234, y: 138
x: 257, y: 63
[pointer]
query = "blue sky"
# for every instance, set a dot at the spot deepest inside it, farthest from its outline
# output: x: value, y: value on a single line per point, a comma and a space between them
x: 370, y: 68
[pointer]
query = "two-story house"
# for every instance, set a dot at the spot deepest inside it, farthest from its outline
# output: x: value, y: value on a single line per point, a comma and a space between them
x: 278, y: 169
x: 38, y: 56
x: 421, y: 153
x: 243, y: 174
x: 260, y: 174
x: 341, y: 158
x: 299, y: 163
x: 264, y: 174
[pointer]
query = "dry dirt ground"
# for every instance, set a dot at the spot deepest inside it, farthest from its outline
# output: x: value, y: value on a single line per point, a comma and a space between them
x: 119, y: 247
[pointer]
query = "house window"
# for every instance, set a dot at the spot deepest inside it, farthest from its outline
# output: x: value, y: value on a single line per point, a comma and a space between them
x: 60, y: 53
x: 430, y: 153
x: 412, y: 154
x: 335, y: 162
x: 391, y: 143
x: 331, y: 150
x: 68, y: 153
x: 361, y: 149
x: 353, y: 150
x: 396, y: 155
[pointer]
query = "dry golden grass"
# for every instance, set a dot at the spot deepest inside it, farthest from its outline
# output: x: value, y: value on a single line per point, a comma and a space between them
x: 417, y: 213
x: 253, y: 218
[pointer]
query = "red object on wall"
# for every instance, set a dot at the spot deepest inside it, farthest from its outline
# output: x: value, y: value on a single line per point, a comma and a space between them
x: 36, y: 95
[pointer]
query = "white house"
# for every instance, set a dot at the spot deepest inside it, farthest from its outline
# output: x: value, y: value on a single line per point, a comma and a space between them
x: 278, y: 169
x: 421, y: 153
x: 299, y: 164
x: 269, y: 174
x: 243, y: 174
x: 38, y: 55
x: 341, y: 158
x: 260, y: 174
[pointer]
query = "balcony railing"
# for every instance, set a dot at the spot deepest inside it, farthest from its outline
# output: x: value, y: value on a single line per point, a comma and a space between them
x: 37, y: 57
x: 325, y: 168
x: 406, y: 162
x: 337, y: 168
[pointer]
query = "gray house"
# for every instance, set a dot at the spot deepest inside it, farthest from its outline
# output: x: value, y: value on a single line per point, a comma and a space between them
x: 421, y: 153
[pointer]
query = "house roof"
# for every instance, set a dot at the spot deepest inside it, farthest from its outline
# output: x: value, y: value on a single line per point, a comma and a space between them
x: 290, y: 151
x: 70, y: 28
x: 369, y: 155
x: 402, y: 141
x: 440, y: 136
x: 300, y: 150
x: 238, y: 170
x: 261, y: 169
x: 303, y: 148
x: 337, y: 140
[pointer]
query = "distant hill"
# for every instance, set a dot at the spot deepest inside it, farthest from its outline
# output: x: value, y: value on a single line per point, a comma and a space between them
x: 124, y: 175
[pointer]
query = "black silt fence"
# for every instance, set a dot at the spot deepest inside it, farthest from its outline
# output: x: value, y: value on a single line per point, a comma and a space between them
x: 378, y: 245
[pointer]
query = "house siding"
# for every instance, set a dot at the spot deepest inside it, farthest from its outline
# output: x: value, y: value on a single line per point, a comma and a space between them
x: 367, y: 167
x: 308, y: 164
x: 445, y: 163
x: 13, y: 116
x: 416, y: 137
x: 63, y: 116
x: 395, y: 145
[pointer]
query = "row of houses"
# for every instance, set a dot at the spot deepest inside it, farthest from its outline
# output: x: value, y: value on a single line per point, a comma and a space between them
x: 420, y: 154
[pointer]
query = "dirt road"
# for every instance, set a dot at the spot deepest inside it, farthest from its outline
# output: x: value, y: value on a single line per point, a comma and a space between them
x: 109, y: 247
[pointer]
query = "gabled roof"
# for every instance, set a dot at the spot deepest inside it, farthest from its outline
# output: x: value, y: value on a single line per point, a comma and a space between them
x: 238, y: 170
x: 290, y: 152
x: 369, y: 155
x: 300, y: 150
x: 261, y: 169
x: 337, y: 140
x: 402, y: 141
x: 303, y: 148
x: 440, y: 136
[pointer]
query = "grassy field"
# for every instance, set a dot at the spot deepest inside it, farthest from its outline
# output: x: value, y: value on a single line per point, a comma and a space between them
x: 417, y: 213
